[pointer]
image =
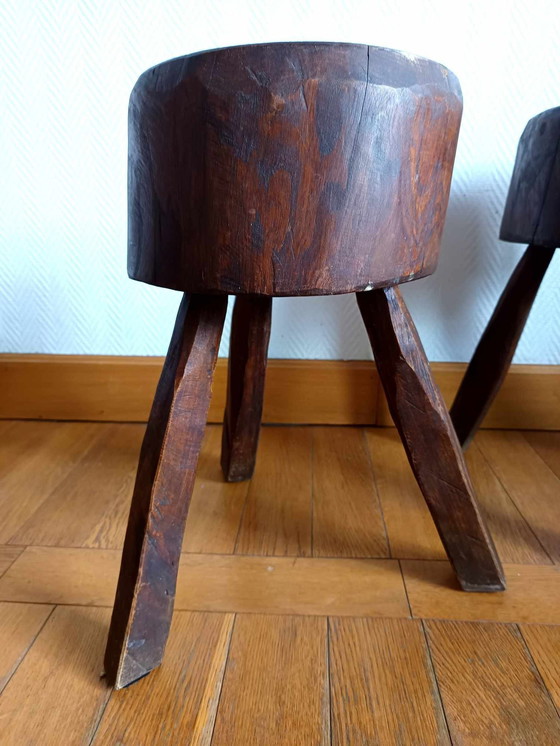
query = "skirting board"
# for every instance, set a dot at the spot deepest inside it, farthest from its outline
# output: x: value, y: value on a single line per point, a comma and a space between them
x: 120, y: 389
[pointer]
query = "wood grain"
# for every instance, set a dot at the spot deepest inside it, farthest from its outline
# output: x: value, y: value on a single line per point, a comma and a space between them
x: 19, y: 626
x: 38, y: 469
x: 494, y: 352
x: 383, y: 688
x: 271, y: 585
x: 547, y: 445
x: 277, y: 516
x: 178, y: 703
x: 429, y: 439
x: 533, y: 594
x: 544, y: 645
x: 248, y: 351
x: 533, y: 487
x: 515, y: 540
x: 56, y: 696
x: 164, y: 482
x: 306, y: 136
x: 87, y: 496
x: 216, y: 506
x: 347, y: 519
x: 489, y: 685
x: 275, y: 689
x: 7, y: 556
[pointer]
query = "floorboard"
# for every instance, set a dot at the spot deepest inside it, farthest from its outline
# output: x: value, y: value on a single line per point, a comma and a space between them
x: 383, y: 685
x: 490, y: 688
x: 314, y: 607
x: 275, y: 688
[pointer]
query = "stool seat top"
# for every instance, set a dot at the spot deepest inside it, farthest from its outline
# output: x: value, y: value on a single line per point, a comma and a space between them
x: 532, y: 211
x: 290, y: 168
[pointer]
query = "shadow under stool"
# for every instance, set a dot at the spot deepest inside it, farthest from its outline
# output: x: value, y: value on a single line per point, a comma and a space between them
x: 532, y: 216
x: 283, y: 169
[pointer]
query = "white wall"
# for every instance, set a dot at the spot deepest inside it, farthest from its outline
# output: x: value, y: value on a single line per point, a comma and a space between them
x: 66, y: 70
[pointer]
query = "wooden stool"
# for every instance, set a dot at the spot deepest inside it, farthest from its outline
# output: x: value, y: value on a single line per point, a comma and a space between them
x: 269, y: 170
x: 531, y: 215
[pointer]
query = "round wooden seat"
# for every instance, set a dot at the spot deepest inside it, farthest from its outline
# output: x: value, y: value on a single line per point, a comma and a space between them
x: 290, y: 169
x: 532, y: 211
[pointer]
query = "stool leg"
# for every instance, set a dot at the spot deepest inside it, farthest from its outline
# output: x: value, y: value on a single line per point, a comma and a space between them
x: 250, y: 332
x: 164, y: 481
x: 492, y: 357
x: 429, y: 439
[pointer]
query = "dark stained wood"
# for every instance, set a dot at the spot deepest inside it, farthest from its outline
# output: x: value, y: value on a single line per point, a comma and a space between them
x: 531, y: 215
x: 532, y: 212
x: 248, y: 349
x: 491, y: 360
x: 166, y: 471
x: 270, y: 169
x: 430, y: 442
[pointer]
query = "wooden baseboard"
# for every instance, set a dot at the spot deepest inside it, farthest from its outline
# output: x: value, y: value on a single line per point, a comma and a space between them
x: 120, y: 389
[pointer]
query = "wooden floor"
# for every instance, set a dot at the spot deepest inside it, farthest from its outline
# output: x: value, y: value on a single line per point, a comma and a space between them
x: 314, y: 603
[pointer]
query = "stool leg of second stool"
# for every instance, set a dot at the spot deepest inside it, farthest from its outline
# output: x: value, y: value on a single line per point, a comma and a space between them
x: 494, y: 352
x: 429, y: 439
x: 250, y: 332
x: 164, y: 481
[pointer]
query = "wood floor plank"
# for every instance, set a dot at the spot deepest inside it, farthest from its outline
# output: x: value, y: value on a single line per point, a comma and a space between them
x: 56, y: 696
x: 347, y: 518
x: 383, y: 689
x: 515, y: 541
x: 275, y: 689
x: 410, y: 528
x: 490, y: 688
x: 8, y: 555
x: 544, y: 645
x: 40, y: 469
x: 277, y: 516
x: 86, y: 497
x: 532, y: 595
x: 20, y: 438
x: 216, y: 505
x: 19, y: 625
x: 280, y: 585
x: 530, y: 483
x: 547, y: 445
x: 177, y: 703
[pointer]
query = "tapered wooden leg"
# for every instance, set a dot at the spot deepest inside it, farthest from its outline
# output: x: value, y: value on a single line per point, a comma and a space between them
x: 429, y: 439
x: 493, y: 355
x: 250, y: 332
x: 164, y: 481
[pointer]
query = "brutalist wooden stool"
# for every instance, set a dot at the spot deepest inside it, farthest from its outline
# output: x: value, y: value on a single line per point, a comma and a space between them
x: 532, y: 216
x: 270, y: 170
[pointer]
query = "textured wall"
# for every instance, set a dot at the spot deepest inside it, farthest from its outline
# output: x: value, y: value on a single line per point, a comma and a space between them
x: 67, y: 69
